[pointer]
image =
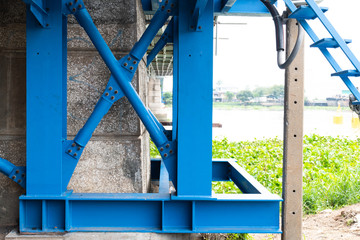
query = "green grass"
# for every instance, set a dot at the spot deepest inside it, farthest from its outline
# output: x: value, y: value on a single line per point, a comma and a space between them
x: 331, y: 168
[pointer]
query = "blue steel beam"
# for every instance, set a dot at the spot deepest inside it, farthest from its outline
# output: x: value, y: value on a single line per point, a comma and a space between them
x: 17, y: 174
x: 154, y: 212
x: 193, y: 57
x: 166, y: 37
x: 46, y: 98
x: 197, y: 12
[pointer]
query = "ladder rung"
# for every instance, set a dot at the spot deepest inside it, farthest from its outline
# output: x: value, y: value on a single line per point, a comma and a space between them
x: 346, y: 73
x: 305, y: 12
x: 328, y: 43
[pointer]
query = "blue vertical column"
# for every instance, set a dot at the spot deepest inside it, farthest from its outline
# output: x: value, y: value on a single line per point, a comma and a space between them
x: 46, y: 100
x: 194, y: 100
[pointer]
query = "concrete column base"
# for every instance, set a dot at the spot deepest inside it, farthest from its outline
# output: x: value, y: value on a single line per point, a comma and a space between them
x: 14, y: 235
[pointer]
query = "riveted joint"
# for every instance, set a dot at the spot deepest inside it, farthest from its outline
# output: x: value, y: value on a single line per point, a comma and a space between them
x: 130, y: 63
x: 74, y: 6
x: 74, y: 150
x: 167, y: 150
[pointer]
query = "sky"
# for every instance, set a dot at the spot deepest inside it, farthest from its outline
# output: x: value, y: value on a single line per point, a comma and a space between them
x: 247, y: 57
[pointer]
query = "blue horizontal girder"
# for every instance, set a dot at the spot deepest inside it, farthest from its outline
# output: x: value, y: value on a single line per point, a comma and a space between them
x: 254, y: 211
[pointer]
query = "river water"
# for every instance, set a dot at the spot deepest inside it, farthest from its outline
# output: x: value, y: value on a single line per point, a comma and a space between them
x: 242, y: 124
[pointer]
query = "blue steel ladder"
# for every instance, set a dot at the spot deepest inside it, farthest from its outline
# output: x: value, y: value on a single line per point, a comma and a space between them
x: 312, y: 11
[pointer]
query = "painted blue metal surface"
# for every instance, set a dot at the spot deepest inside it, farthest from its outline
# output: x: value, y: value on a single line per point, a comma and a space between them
x: 195, y: 54
x: 167, y: 37
x: 46, y: 59
x: 256, y: 211
x: 328, y: 43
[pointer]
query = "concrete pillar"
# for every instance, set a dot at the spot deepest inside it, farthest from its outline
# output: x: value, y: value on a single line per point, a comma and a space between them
x: 12, y: 103
x: 155, y: 104
x: 117, y: 157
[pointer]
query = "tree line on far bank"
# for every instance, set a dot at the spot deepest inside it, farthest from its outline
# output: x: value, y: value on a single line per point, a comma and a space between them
x: 275, y: 91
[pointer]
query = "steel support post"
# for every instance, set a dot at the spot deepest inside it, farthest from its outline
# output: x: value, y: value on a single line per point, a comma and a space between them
x: 193, y: 59
x: 46, y: 53
x: 293, y: 140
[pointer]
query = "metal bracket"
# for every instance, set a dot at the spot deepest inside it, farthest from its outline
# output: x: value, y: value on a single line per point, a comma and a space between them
x: 37, y: 8
x: 15, y: 173
x: 74, y: 6
x: 168, y: 149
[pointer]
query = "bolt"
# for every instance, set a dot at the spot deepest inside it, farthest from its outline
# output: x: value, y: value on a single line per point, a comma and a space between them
x: 131, y: 68
x: 19, y: 181
x: 17, y: 171
x: 74, y: 9
x: 166, y: 2
x: 13, y: 177
x: 167, y: 145
x: 129, y: 58
x: 73, y: 145
x: 125, y: 64
x: 76, y: 1
x: 169, y: 11
x: 171, y: 151
x: 47, y: 24
x: 79, y: 148
x: 110, y: 88
x: 80, y: 6
x: 134, y: 62
x: 161, y: 149
x: 192, y: 27
x: 69, y: 151
x: 172, y: 5
x: 75, y: 154
x: 165, y: 155
x: 116, y: 92
x: 106, y: 94
x: 163, y: 7
x: 199, y: 27
x: 112, y: 98
x: 70, y: 3
x: 23, y: 175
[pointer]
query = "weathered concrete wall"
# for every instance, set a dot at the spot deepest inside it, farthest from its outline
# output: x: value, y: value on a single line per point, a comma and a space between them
x: 12, y: 102
x: 117, y: 157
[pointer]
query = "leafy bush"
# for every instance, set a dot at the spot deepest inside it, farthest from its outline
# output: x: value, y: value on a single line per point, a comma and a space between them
x: 331, y: 168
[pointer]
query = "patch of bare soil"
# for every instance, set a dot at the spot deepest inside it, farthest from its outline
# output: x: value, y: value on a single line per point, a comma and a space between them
x: 343, y: 224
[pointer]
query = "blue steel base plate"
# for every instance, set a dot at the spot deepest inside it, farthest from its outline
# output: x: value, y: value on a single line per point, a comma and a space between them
x: 256, y: 211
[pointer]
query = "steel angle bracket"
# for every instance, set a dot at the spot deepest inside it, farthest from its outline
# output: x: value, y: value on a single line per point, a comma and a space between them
x: 119, y: 85
x: 39, y: 10
x: 255, y: 210
x: 17, y: 174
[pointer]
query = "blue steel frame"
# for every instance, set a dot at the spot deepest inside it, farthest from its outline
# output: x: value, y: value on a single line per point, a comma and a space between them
x: 186, y: 158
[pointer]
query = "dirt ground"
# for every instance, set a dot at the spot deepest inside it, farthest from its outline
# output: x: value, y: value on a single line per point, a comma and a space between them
x: 343, y: 224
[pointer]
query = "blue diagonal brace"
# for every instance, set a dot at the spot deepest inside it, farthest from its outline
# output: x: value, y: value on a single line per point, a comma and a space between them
x: 227, y: 5
x: 119, y: 85
x: 164, y: 39
x: 198, y: 10
x: 37, y: 8
x: 17, y: 174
